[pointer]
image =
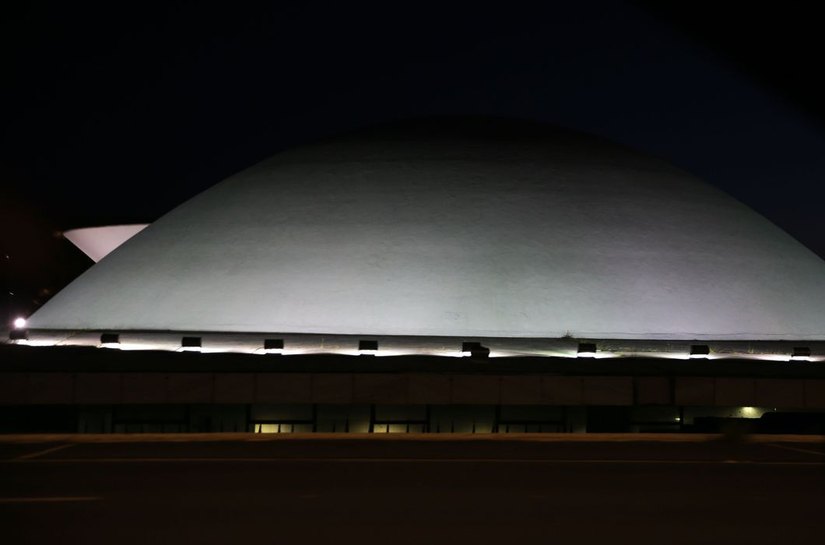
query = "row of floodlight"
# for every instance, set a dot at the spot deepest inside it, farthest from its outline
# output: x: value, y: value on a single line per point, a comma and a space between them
x: 270, y: 346
x: 468, y: 349
x: 366, y: 347
x: 369, y: 347
x: 702, y: 351
x: 697, y: 351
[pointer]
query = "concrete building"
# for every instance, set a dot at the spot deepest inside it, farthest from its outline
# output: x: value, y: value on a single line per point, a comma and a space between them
x: 447, y: 238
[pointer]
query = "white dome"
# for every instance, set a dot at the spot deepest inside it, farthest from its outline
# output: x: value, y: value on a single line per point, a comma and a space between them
x: 457, y: 228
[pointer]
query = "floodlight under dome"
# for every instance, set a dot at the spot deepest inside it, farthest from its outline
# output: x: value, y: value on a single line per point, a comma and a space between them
x: 586, y: 350
x: 474, y: 350
x: 190, y: 344
x: 110, y: 340
x: 801, y: 353
x: 367, y: 348
x: 699, y: 351
x: 273, y: 346
x: 19, y: 322
x: 468, y: 347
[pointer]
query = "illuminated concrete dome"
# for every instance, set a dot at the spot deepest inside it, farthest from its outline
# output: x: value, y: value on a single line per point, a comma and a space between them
x: 457, y: 228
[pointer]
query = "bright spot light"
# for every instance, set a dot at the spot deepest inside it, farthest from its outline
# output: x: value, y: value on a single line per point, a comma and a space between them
x: 28, y: 342
x: 274, y: 428
x: 750, y: 412
x: 19, y: 323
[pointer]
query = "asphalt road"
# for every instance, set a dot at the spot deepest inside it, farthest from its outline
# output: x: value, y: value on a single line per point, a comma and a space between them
x: 364, y: 491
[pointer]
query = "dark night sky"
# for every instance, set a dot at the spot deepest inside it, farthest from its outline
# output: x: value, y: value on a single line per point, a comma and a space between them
x: 116, y: 113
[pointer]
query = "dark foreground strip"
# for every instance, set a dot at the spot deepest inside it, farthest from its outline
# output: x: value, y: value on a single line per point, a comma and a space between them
x: 54, y: 499
x: 399, y: 461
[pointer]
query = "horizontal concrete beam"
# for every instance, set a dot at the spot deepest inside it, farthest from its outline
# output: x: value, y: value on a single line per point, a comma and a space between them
x: 403, y: 389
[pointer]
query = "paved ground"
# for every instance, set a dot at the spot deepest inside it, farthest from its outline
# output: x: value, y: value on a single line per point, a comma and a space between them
x: 411, y: 490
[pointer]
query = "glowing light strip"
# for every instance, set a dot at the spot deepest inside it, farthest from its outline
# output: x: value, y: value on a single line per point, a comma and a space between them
x: 247, y: 344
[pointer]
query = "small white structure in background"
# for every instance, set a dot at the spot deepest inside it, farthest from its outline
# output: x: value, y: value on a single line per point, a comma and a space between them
x: 20, y: 322
x: 98, y: 242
